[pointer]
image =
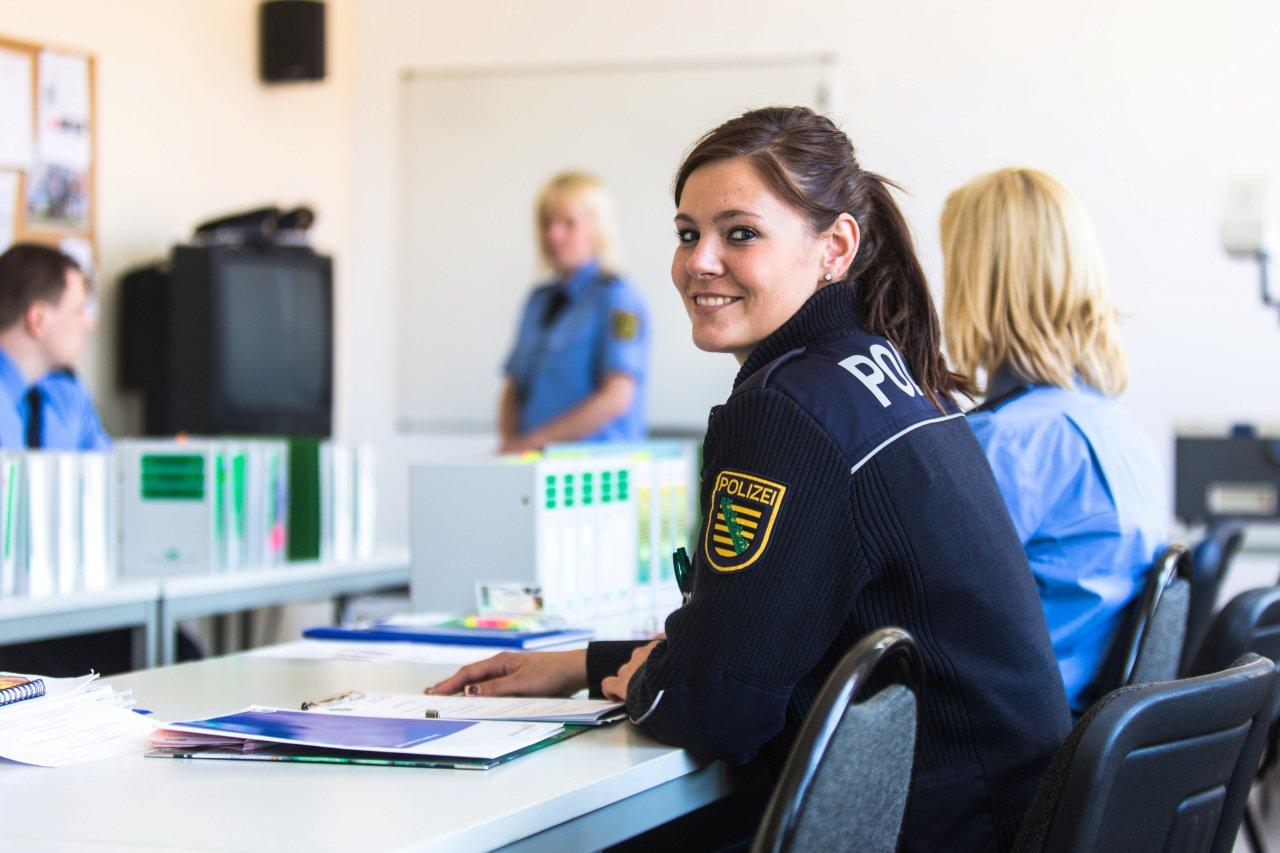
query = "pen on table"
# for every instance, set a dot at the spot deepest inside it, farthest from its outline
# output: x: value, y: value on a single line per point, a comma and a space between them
x: 308, y: 704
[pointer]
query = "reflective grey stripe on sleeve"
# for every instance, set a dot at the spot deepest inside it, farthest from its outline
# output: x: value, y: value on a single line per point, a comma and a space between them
x: 891, y: 439
x: 652, y: 708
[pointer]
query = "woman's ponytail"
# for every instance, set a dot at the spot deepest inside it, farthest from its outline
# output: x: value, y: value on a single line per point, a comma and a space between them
x: 892, y: 296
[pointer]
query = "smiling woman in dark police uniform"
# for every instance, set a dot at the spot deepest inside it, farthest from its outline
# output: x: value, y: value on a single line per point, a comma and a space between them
x: 842, y: 491
x: 578, y: 368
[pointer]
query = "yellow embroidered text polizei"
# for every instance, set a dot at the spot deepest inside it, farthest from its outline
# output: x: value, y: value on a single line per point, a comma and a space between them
x: 740, y: 519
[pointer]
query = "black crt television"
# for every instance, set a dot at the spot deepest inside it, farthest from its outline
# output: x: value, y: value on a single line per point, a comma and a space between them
x: 250, y: 345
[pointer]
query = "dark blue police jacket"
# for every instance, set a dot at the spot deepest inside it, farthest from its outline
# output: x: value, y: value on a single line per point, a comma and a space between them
x: 837, y: 499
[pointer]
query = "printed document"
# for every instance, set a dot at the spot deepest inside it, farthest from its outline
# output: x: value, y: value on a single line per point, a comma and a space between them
x: 348, y: 732
x: 74, y: 722
x: 418, y: 706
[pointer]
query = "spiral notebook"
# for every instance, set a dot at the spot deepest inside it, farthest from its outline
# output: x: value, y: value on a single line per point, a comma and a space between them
x: 15, y: 688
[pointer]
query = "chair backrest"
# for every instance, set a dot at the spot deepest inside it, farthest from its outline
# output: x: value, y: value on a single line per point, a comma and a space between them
x: 1150, y: 648
x: 1157, y: 766
x: 1209, y: 563
x: 845, y: 783
x: 1250, y: 622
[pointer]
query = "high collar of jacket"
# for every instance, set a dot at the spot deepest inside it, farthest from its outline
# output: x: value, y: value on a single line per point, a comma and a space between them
x: 827, y: 314
x: 1005, y: 381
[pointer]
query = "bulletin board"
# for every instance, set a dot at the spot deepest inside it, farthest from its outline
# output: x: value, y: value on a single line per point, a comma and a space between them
x: 48, y: 128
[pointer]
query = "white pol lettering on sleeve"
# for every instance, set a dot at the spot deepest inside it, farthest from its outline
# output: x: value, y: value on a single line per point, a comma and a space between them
x: 872, y: 372
x: 869, y: 373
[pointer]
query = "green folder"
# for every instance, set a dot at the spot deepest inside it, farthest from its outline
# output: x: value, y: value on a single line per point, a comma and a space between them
x: 304, y: 499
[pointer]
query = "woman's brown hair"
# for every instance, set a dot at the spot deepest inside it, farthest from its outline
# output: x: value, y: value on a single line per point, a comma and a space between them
x: 810, y: 164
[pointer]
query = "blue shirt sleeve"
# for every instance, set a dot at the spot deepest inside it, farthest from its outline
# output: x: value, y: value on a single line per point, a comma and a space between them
x: 1034, y: 463
x: 70, y: 421
x: 93, y: 436
x: 626, y: 341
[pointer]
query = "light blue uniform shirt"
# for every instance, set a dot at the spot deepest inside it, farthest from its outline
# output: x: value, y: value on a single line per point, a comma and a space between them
x: 68, y: 419
x: 1087, y: 494
x: 603, y: 328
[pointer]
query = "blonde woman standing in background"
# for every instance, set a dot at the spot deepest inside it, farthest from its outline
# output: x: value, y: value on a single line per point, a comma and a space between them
x: 1027, y: 301
x: 578, y: 368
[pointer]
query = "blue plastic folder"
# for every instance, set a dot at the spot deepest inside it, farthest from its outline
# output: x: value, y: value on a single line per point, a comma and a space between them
x: 454, y: 635
x: 342, y: 736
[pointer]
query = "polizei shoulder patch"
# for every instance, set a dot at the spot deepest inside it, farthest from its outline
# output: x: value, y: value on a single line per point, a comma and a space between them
x: 740, y: 519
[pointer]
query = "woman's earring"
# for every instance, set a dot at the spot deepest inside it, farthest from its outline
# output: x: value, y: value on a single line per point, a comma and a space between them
x: 827, y: 277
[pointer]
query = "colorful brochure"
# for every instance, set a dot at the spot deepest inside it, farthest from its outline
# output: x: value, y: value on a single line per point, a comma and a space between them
x: 386, y: 735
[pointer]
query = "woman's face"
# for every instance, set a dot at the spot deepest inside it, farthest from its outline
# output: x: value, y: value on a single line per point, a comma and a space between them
x: 745, y: 262
x: 566, y: 235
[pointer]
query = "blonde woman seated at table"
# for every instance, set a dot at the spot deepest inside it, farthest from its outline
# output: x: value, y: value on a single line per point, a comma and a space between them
x: 1027, y: 300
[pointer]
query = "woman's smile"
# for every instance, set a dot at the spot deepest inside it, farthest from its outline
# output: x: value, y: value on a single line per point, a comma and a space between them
x: 706, y: 304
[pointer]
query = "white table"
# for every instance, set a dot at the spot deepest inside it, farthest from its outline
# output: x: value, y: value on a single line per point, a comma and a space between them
x: 153, y: 608
x: 292, y: 583
x: 590, y: 791
x: 128, y: 604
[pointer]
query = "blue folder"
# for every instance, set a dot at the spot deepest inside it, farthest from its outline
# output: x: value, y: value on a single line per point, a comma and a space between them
x: 506, y: 638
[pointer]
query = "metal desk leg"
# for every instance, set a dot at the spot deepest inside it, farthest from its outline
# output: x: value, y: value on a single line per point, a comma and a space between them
x: 168, y: 637
x: 221, y: 631
x: 246, y: 631
x: 143, y: 638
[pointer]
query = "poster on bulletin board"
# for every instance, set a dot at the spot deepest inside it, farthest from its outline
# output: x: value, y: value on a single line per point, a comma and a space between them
x: 47, y: 150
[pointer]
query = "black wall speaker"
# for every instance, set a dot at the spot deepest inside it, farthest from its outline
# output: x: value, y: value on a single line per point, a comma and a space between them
x: 291, y: 40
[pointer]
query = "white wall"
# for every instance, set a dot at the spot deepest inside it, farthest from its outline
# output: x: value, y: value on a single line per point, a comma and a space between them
x: 391, y: 35
x: 186, y: 131
x: 1144, y: 108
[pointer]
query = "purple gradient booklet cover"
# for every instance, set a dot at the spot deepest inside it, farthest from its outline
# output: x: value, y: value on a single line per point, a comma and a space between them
x: 453, y: 738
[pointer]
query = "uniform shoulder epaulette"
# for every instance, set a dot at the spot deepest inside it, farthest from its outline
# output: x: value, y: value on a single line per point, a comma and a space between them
x: 760, y: 378
x: 858, y: 388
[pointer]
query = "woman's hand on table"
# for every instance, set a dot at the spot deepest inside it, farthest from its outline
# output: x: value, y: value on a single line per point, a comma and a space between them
x: 615, y: 686
x: 519, y: 674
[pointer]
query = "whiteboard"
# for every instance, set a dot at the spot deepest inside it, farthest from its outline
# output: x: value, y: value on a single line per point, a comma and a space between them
x: 477, y: 146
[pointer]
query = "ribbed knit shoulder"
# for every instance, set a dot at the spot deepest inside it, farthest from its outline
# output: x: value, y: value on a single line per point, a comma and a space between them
x: 857, y: 387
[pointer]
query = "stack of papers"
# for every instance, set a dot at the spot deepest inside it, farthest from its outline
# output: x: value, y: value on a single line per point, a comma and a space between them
x: 355, y: 739
x: 77, y: 720
x: 579, y: 712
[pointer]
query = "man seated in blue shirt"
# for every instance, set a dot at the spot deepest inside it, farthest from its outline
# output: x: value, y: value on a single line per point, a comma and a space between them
x: 1027, y: 301
x: 46, y: 316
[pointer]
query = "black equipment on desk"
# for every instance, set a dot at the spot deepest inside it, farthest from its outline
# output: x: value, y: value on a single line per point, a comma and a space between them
x: 1236, y: 476
x: 231, y: 339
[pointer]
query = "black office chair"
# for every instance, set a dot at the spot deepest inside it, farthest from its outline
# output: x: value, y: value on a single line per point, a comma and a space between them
x: 845, y: 783
x: 1163, y: 766
x: 1250, y: 622
x: 1148, y: 648
x: 1209, y: 564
